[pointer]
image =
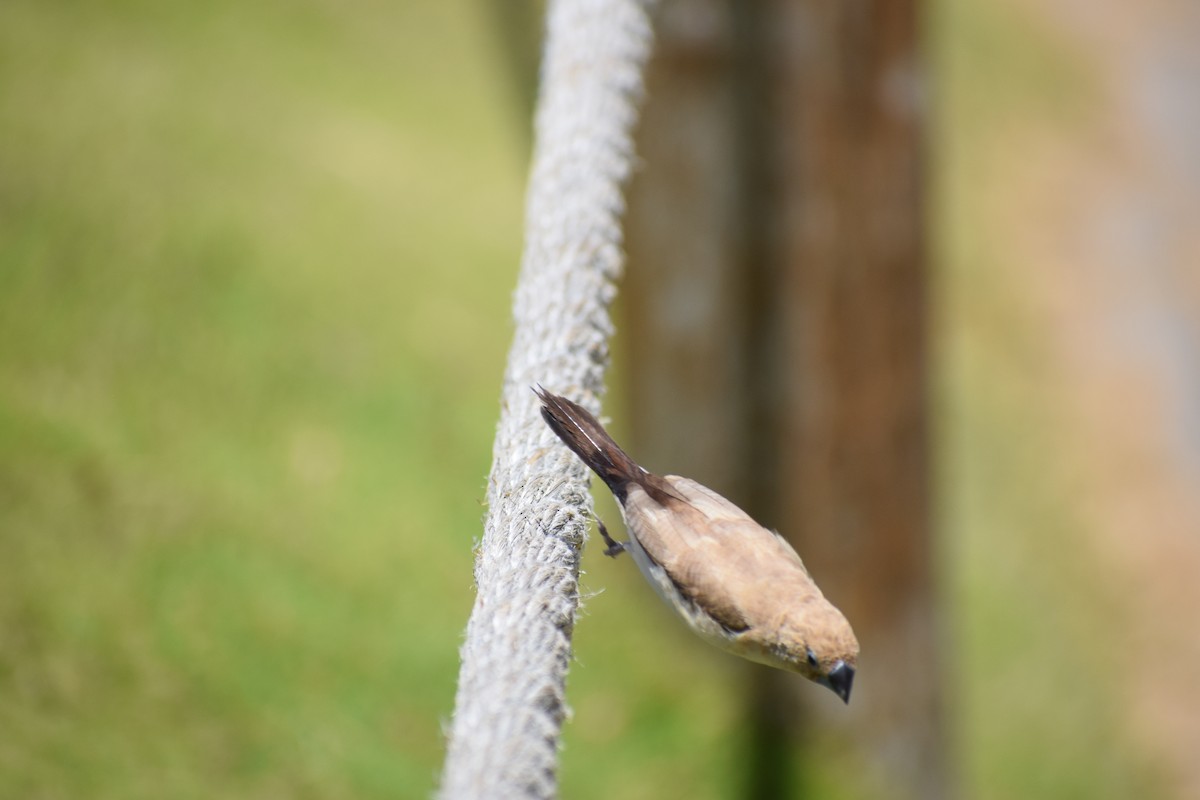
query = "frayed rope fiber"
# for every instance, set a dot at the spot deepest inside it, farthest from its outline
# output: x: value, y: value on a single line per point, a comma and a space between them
x: 510, y: 706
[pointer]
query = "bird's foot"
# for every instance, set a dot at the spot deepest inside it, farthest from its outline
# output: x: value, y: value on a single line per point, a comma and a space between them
x: 615, y: 548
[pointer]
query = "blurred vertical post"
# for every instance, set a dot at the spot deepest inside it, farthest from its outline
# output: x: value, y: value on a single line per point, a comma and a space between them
x: 776, y: 302
x: 518, y: 30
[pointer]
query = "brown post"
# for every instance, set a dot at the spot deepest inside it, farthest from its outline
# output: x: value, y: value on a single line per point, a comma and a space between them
x: 776, y: 303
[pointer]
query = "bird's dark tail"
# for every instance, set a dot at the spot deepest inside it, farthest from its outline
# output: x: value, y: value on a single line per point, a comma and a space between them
x: 581, y: 432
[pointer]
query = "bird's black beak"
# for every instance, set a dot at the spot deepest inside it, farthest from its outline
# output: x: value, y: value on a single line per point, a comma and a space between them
x: 840, y: 679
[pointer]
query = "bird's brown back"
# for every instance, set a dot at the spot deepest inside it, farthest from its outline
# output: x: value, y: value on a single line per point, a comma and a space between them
x: 713, y: 550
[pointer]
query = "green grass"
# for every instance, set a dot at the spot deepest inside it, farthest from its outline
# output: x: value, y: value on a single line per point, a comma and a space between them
x: 255, y: 269
x: 1032, y: 627
x: 254, y: 275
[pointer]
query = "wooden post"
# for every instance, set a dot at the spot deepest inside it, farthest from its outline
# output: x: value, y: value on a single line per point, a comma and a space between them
x: 775, y: 322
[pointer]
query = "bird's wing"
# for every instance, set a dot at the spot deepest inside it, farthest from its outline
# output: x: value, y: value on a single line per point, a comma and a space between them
x: 715, y: 554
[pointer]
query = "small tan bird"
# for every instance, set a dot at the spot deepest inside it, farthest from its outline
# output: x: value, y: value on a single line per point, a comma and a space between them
x: 738, y: 585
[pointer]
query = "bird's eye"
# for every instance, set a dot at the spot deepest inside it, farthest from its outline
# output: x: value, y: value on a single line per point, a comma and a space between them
x: 812, y: 658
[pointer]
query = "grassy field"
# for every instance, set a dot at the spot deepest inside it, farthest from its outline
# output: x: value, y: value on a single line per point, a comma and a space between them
x: 255, y: 267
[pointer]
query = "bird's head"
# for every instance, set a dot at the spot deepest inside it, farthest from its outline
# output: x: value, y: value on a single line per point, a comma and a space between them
x: 819, y: 644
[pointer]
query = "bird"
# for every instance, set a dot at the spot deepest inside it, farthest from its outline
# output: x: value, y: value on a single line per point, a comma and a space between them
x: 735, y: 583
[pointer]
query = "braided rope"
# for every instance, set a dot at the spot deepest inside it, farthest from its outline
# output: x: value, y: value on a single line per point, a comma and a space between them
x: 503, y: 741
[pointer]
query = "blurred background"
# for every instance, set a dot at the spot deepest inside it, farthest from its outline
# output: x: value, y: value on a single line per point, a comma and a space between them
x: 255, y: 269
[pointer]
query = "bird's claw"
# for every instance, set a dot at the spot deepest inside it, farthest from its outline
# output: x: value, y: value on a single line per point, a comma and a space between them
x: 614, y: 548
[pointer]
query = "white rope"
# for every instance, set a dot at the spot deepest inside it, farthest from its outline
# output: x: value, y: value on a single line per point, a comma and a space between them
x: 504, y: 738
